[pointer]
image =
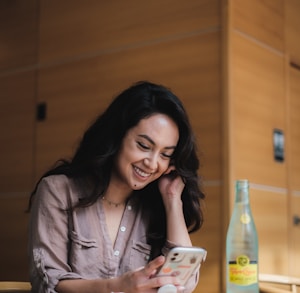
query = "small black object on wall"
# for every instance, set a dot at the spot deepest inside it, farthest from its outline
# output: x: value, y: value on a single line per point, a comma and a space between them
x: 41, y: 111
x: 278, y: 145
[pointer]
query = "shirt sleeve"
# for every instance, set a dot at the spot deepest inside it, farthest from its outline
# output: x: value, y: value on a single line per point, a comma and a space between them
x: 48, y: 236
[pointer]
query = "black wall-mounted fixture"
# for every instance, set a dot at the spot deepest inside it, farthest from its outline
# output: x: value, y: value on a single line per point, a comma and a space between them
x: 278, y: 145
x: 41, y: 111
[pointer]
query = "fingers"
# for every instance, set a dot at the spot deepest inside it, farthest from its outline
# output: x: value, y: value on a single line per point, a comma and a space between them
x: 153, y: 265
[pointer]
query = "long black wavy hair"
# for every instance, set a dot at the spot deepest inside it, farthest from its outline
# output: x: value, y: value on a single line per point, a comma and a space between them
x: 93, y: 160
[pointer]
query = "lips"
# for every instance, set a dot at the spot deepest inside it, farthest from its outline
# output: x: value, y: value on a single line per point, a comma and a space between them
x: 141, y: 172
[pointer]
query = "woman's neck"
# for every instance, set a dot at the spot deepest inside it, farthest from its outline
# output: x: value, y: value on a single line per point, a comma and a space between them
x: 117, y: 193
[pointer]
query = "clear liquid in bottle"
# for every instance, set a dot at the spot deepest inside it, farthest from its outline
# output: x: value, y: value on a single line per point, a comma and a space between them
x: 242, y: 245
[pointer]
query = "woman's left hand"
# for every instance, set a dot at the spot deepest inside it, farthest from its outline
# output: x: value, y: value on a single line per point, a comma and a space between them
x: 171, y: 186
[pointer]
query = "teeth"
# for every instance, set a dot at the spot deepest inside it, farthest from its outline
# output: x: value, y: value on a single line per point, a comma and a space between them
x: 140, y: 172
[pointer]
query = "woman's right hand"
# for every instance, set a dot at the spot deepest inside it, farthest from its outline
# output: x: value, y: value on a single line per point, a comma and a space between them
x: 144, y: 280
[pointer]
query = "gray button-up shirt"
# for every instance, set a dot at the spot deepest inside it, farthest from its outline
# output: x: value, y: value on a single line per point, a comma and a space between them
x: 76, y: 245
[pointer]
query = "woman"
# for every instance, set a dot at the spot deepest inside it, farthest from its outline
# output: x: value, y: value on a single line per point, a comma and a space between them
x: 102, y: 221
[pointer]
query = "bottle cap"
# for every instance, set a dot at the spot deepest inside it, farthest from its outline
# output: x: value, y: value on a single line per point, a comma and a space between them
x: 167, y: 289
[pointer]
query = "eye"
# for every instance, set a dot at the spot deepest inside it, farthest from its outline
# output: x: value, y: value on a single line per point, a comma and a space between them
x: 143, y: 146
x: 167, y: 156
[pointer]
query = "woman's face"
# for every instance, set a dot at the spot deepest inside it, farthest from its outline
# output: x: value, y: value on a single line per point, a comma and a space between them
x: 145, y: 152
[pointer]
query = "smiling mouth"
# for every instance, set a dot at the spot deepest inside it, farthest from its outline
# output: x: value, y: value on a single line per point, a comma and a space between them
x: 141, y: 173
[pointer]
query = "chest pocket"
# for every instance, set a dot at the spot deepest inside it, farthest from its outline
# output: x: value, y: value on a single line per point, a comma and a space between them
x: 84, y: 255
x: 139, y: 254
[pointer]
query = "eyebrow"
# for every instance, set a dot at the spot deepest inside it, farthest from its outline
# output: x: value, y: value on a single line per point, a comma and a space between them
x: 153, y: 143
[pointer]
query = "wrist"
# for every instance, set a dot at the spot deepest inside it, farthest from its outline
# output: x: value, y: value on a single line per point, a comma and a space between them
x: 174, y: 206
x: 114, y: 285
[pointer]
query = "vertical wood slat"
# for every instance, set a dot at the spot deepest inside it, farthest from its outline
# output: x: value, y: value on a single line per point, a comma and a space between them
x: 17, y: 114
x: 292, y: 30
x: 259, y: 107
x: 271, y: 224
x: 294, y: 167
x: 18, y: 34
x: 13, y: 237
x: 294, y: 124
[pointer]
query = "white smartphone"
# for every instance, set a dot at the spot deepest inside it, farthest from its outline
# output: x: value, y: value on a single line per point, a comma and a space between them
x: 182, y: 262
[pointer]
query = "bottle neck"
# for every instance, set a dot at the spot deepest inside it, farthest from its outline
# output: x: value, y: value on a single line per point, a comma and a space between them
x: 242, y: 191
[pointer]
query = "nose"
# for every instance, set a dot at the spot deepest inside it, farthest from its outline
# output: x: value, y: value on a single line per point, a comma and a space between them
x: 151, y: 162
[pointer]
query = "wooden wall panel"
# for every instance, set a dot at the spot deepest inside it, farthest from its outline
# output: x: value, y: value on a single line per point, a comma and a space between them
x: 17, y: 112
x: 76, y: 92
x: 294, y: 230
x: 13, y: 237
x: 210, y: 279
x: 292, y: 35
x: 294, y: 168
x: 294, y: 126
x: 87, y: 29
x: 258, y: 106
x: 270, y: 212
x: 262, y: 20
x: 18, y: 33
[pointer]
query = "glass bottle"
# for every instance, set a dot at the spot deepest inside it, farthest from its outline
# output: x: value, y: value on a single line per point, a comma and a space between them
x: 242, y: 245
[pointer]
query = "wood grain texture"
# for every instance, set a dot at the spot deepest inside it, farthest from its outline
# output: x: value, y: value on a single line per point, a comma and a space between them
x: 17, y: 112
x: 294, y: 169
x: 210, y: 280
x: 292, y: 30
x: 294, y: 127
x: 262, y: 20
x: 258, y: 107
x: 13, y: 237
x: 272, y: 228
x: 84, y: 29
x: 294, y: 255
x: 18, y: 33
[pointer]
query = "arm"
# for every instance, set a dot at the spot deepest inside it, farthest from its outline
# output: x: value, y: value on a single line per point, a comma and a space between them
x: 177, y: 233
x: 171, y: 189
x: 48, y: 237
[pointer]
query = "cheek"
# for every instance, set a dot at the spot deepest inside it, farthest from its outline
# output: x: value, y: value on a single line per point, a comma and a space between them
x: 164, y: 167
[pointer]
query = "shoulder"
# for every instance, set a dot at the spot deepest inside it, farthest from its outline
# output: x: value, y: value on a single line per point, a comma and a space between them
x: 53, y: 182
x: 57, y: 188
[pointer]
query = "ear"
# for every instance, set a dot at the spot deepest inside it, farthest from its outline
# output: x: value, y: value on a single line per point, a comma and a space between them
x: 170, y: 169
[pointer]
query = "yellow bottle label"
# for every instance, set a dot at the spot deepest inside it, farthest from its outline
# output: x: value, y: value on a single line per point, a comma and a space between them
x: 242, y: 271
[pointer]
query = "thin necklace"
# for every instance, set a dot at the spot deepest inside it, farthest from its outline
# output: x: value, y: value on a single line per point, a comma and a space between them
x: 111, y: 203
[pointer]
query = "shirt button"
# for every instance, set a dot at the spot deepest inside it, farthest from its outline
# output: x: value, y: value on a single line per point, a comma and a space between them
x: 129, y: 208
x: 116, y: 253
x: 123, y: 229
